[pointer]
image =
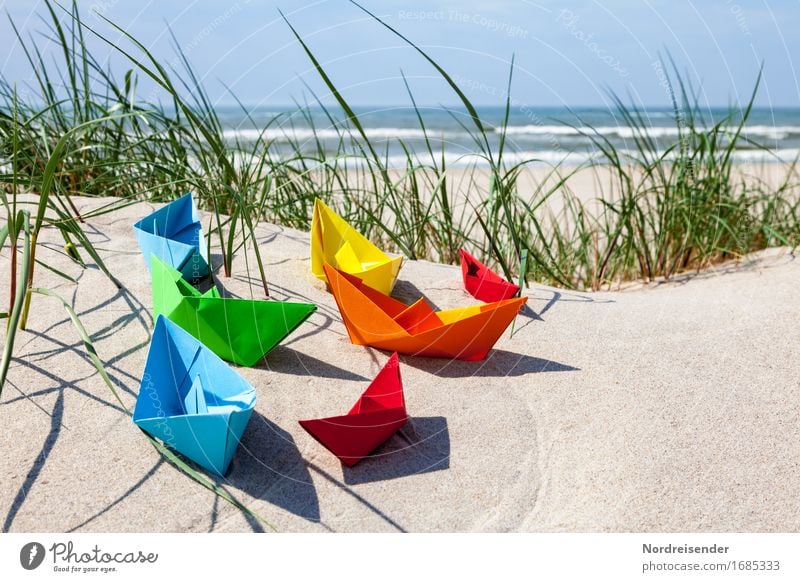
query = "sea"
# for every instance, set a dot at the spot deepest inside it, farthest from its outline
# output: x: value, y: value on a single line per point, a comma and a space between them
x: 534, y: 135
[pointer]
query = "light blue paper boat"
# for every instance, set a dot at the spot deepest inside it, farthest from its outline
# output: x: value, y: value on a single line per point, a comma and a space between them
x: 191, y: 400
x: 174, y: 234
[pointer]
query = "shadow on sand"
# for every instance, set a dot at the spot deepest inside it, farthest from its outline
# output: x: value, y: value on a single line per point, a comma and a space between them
x: 421, y: 446
x: 268, y: 466
x: 285, y: 360
x: 499, y: 363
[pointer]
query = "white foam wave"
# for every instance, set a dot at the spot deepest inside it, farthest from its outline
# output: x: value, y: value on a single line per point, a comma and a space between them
x: 533, y: 158
x: 777, y: 132
x: 304, y: 134
x: 554, y: 157
x: 301, y: 134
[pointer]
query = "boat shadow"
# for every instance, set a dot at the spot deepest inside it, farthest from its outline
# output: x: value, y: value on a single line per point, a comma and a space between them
x: 499, y: 363
x: 285, y: 360
x: 408, y: 293
x: 268, y: 466
x: 557, y: 296
x: 421, y: 446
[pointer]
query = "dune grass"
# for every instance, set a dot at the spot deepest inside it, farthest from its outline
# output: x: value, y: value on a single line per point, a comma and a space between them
x: 665, y: 212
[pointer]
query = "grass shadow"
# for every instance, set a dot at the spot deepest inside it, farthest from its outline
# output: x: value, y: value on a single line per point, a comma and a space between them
x: 38, y: 462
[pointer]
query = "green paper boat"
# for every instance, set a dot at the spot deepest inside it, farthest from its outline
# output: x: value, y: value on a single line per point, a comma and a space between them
x: 238, y: 330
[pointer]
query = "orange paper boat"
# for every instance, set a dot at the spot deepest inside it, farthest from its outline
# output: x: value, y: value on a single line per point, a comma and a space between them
x: 377, y: 415
x: 377, y: 320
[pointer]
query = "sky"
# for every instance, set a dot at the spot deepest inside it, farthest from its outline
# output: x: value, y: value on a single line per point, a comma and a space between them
x: 567, y: 53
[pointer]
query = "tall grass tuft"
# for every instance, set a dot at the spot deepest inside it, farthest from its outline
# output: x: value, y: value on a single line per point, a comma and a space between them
x: 660, y: 210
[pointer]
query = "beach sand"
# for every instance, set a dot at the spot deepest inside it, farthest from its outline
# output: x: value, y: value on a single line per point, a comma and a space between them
x: 673, y: 406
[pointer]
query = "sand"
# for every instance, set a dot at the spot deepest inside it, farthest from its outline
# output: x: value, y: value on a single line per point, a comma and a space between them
x: 668, y: 407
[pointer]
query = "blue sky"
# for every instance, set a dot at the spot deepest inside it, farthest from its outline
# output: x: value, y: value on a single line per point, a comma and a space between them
x: 567, y: 53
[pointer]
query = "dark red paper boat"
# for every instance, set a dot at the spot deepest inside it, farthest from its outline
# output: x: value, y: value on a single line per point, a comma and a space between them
x: 483, y: 283
x: 376, y: 416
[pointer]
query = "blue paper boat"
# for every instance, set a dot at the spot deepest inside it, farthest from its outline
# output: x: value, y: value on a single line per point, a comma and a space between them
x: 174, y: 234
x: 191, y: 400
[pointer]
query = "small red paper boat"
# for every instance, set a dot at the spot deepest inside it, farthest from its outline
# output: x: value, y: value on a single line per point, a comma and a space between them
x: 483, y: 283
x: 376, y: 416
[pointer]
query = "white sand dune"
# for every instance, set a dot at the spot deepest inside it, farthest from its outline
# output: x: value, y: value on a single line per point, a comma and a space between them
x: 670, y: 407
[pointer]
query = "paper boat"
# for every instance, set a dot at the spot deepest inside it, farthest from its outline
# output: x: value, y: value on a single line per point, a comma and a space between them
x: 483, y: 283
x: 335, y: 242
x: 174, y: 234
x: 192, y: 400
x: 376, y: 416
x: 238, y: 330
x: 377, y: 320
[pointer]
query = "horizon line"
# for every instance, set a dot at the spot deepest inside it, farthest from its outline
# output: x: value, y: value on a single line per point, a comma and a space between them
x: 665, y: 107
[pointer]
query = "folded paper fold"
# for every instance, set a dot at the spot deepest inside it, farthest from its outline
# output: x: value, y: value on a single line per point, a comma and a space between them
x: 337, y: 243
x: 242, y: 331
x: 174, y: 234
x: 375, y: 417
x: 377, y: 320
x: 483, y: 283
x: 191, y: 400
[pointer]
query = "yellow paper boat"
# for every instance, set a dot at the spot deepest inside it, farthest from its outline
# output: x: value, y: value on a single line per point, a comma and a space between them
x: 335, y: 242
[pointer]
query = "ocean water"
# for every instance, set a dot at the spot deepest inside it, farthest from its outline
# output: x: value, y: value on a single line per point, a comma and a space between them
x: 546, y: 135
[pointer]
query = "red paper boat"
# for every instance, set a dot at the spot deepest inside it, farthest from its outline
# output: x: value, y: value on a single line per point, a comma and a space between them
x: 376, y: 416
x: 483, y: 283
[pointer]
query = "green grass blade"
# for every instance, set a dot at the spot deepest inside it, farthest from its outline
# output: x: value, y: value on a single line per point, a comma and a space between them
x: 12, y: 325
x: 476, y: 119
